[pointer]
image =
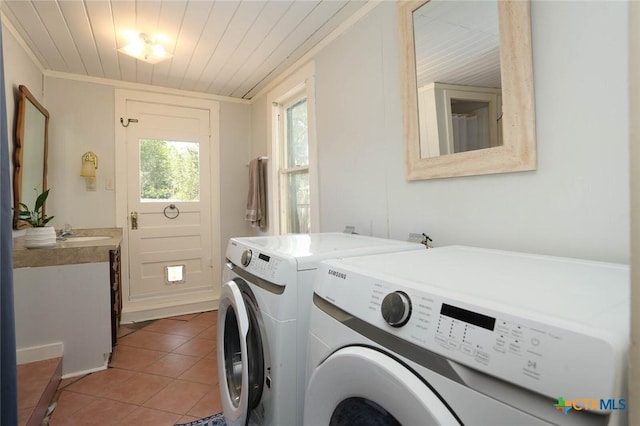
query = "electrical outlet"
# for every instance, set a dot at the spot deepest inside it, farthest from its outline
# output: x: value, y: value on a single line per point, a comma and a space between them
x: 108, y: 184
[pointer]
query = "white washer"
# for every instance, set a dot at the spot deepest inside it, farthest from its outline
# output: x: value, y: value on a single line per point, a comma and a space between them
x: 466, y: 336
x: 263, y: 320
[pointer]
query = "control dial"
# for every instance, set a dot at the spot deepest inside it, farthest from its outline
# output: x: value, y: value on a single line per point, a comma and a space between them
x: 246, y: 257
x: 396, y: 308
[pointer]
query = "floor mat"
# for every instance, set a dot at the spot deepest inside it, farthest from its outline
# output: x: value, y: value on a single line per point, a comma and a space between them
x: 215, y: 420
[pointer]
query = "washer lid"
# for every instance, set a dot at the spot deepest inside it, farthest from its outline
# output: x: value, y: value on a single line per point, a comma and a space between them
x: 589, y: 292
x: 309, y: 249
x: 347, y: 374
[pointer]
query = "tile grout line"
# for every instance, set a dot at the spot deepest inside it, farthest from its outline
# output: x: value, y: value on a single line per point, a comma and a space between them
x: 136, y: 372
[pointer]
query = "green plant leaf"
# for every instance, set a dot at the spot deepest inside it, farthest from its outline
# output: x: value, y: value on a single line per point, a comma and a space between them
x: 36, y: 217
x: 40, y: 200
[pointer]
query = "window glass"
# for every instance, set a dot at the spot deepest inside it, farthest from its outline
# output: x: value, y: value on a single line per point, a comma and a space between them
x: 294, y: 169
x: 293, y: 203
x: 169, y: 170
x: 297, y: 203
x: 297, y: 148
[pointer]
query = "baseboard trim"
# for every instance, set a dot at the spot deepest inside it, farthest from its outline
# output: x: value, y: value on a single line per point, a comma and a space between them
x: 152, y: 312
x: 39, y: 353
x: 83, y: 372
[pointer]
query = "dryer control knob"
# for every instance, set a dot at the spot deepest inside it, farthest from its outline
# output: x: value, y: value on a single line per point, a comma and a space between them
x: 396, y: 308
x: 246, y: 257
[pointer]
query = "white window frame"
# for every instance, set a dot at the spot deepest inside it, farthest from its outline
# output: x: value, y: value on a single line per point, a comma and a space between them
x: 299, y: 85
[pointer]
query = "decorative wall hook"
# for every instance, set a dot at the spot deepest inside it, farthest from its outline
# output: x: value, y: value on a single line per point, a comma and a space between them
x: 129, y: 121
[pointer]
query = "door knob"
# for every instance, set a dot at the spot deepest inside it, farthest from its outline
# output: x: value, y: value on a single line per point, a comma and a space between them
x: 134, y: 220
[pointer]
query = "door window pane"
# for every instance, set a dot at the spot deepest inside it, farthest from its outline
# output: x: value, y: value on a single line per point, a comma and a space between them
x: 297, y: 146
x: 169, y: 170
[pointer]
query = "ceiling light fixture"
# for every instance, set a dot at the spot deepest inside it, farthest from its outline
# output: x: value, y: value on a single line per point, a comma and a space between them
x: 142, y: 47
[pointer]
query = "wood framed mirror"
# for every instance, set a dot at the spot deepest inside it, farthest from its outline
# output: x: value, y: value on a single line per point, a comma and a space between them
x: 434, y: 100
x: 30, y: 153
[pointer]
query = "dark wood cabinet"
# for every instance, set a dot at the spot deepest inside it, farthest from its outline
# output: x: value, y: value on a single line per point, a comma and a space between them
x: 116, y: 294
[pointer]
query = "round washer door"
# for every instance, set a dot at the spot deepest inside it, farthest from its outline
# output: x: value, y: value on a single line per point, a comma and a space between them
x: 358, y: 385
x: 237, y: 343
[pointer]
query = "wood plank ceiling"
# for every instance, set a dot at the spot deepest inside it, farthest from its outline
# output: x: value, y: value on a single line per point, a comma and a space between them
x: 223, y: 47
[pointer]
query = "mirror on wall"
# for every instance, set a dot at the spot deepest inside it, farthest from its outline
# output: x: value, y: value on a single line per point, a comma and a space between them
x: 30, y: 152
x: 467, y: 84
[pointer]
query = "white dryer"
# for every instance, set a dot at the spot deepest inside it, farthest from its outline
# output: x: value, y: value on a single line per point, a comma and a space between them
x: 467, y: 336
x: 263, y: 320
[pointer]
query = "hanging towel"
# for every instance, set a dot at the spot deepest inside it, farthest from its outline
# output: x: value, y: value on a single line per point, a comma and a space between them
x: 256, y: 212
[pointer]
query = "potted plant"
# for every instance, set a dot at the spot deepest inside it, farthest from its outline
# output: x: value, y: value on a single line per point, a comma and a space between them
x: 39, y: 234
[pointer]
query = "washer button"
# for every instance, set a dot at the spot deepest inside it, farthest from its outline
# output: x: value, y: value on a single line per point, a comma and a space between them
x: 452, y: 344
x: 482, y: 357
x: 467, y: 350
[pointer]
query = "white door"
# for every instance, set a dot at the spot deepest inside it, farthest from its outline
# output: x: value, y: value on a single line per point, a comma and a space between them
x: 168, y: 234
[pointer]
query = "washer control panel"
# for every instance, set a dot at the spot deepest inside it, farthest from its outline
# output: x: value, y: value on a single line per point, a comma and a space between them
x: 268, y: 267
x: 264, y: 266
x: 547, y: 356
x: 481, y: 338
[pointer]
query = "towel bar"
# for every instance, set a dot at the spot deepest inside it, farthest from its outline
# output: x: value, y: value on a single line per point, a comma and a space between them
x: 259, y: 158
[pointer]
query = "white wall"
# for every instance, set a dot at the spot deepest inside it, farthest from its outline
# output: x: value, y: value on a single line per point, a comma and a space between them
x: 19, y: 69
x: 575, y: 204
x: 235, y: 135
x: 82, y: 119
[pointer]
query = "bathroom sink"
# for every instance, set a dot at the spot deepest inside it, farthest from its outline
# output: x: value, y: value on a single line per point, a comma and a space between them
x: 87, y: 238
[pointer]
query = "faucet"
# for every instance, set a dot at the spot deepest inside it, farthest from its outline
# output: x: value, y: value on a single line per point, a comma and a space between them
x: 426, y: 241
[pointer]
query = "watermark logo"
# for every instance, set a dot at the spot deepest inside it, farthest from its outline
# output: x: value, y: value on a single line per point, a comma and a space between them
x: 563, y: 405
x: 590, y: 404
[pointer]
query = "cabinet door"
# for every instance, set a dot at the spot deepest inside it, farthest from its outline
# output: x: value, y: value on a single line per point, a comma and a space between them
x: 116, y: 294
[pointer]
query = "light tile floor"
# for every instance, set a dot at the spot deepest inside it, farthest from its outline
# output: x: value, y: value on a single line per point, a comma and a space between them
x: 161, y: 374
x: 33, y: 378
